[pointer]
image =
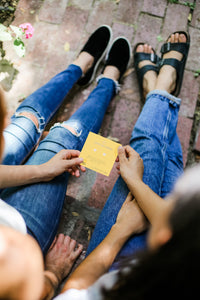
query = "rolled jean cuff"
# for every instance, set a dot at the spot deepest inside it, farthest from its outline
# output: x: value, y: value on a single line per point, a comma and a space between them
x: 75, y: 68
x: 116, y: 83
x: 164, y: 94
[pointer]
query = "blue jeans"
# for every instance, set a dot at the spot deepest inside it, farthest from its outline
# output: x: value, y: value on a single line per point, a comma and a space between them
x: 41, y: 204
x: 154, y: 137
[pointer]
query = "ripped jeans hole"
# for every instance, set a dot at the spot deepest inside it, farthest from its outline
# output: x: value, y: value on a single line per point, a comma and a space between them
x: 72, y: 128
x: 38, y: 121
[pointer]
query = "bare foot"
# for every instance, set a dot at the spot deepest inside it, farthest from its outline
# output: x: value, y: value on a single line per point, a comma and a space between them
x: 150, y: 77
x: 167, y: 76
x: 62, y: 255
x: 84, y: 61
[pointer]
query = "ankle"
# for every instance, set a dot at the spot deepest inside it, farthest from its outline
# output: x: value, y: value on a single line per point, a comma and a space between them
x: 112, y: 73
x: 166, y: 80
x: 84, y: 61
x: 149, y: 82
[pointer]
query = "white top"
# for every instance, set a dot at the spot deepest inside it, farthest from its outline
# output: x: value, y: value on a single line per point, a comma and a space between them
x: 94, y: 292
x: 10, y: 217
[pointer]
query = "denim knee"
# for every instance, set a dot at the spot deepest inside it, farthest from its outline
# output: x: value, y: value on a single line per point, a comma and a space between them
x: 20, y: 137
x: 59, y: 138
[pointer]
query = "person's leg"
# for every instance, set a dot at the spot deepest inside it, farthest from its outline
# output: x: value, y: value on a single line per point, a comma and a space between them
x: 154, y: 138
x: 35, y: 112
x: 173, y: 166
x: 41, y: 204
x: 151, y: 137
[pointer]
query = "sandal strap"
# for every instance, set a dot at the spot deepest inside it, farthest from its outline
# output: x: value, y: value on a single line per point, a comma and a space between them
x: 140, y: 56
x: 171, y: 62
x: 179, y: 47
x: 145, y: 69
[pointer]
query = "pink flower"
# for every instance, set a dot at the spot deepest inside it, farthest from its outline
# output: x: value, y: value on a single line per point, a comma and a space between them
x: 27, y: 29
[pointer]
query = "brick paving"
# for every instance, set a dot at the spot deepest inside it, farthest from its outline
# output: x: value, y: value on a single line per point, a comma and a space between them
x: 58, y: 22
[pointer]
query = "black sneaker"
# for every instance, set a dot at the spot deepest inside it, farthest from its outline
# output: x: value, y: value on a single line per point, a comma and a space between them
x: 97, y: 46
x: 119, y: 55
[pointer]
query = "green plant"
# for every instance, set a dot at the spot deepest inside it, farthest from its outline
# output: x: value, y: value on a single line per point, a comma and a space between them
x: 197, y: 73
x: 159, y: 38
x: 15, y: 35
x: 173, y: 1
x: 190, y: 5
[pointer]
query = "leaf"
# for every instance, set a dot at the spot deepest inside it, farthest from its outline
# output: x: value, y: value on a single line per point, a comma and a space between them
x: 19, y: 47
x: 3, y: 75
x: 89, y: 234
x: 114, y: 139
x: 67, y: 46
x: 190, y: 17
x: 18, y: 31
x: 197, y: 72
x: 75, y: 214
x: 2, y: 27
x: 17, y: 42
x: 159, y: 38
x: 4, y: 34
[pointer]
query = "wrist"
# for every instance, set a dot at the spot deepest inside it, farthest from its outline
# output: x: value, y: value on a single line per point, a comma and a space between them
x: 119, y: 235
x: 43, y: 172
x: 133, y: 183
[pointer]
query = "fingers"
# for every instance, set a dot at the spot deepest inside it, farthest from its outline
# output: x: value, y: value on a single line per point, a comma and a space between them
x: 127, y: 152
x: 78, y: 250
x: 121, y: 154
x: 60, y: 239
x: 131, y: 152
x: 72, y: 247
x: 68, y: 154
x: 69, y: 243
x: 129, y: 197
x: 74, y: 161
x: 53, y: 243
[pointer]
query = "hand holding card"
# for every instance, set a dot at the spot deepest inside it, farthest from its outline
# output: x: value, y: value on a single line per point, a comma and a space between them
x: 99, y: 153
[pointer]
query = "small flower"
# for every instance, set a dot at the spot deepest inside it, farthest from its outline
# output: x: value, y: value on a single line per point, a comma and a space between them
x: 27, y: 29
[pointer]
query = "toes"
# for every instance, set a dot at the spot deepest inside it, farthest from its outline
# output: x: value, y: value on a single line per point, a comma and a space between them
x: 182, y: 38
x: 171, y: 39
x: 140, y: 48
x: 150, y: 50
x: 176, y: 37
x: 145, y: 48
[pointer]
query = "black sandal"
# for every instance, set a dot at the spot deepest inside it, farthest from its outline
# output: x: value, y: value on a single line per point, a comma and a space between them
x: 179, y: 65
x: 140, y: 56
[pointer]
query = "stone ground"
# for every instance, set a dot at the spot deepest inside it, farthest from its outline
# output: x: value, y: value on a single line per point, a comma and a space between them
x: 61, y: 28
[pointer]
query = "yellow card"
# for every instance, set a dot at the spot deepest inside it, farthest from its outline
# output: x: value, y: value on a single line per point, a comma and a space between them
x: 99, y: 153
